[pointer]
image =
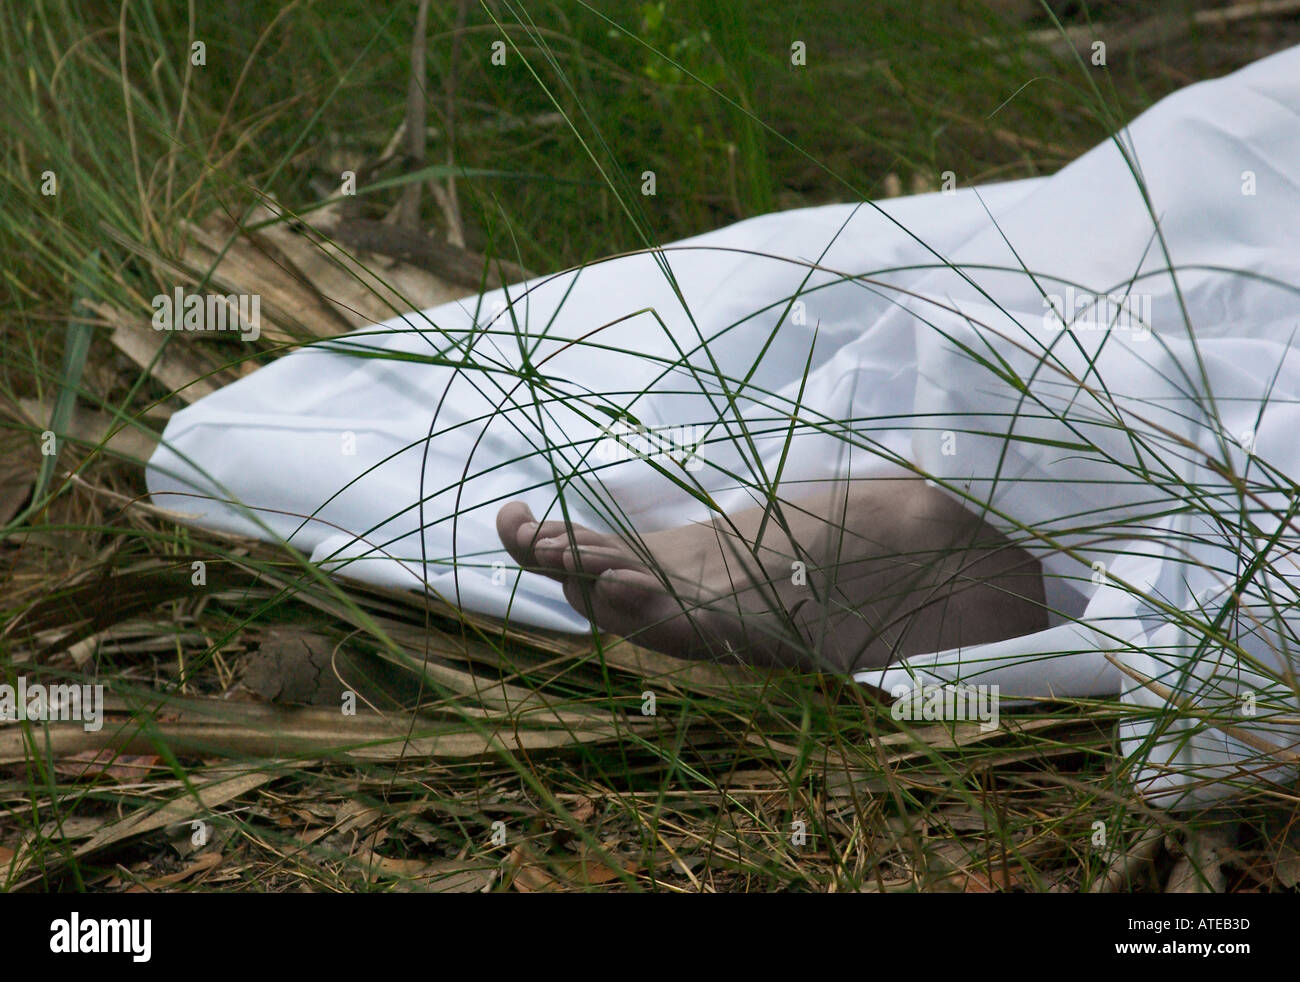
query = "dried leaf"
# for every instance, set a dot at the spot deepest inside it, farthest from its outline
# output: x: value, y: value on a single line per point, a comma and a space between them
x: 391, y: 866
x: 216, y: 791
x: 92, y: 429
x: 531, y: 878
x: 997, y: 880
x: 201, y: 864
x: 71, y: 827
x: 583, y: 809
x: 19, y: 463
x: 356, y: 816
x: 585, y: 871
x: 1200, y: 869
x: 455, y: 877
x: 1287, y: 867
x: 177, y: 367
x: 105, y: 763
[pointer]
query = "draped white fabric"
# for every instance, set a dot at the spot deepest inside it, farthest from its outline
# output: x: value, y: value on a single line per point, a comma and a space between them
x: 922, y: 332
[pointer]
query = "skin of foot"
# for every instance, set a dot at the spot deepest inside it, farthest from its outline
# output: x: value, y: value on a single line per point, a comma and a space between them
x: 859, y: 575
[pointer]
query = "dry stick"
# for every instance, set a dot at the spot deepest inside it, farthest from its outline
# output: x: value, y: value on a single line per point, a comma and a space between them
x: 492, y: 127
x: 496, y: 126
x: 1156, y: 30
x: 1016, y: 141
x: 408, y: 206
x: 457, y: 266
x: 1121, y: 871
x: 301, y: 735
x: 448, y: 200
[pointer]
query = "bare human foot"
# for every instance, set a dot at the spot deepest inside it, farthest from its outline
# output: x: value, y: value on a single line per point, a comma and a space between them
x: 859, y: 576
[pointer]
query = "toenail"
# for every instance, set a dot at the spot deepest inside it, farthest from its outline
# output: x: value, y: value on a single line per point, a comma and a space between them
x: 553, y: 543
x: 528, y: 528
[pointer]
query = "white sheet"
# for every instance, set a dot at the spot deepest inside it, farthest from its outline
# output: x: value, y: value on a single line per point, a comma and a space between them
x: 345, y: 440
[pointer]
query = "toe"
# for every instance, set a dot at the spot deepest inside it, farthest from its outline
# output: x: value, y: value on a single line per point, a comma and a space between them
x: 540, y: 547
x: 593, y: 559
x: 516, y: 527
